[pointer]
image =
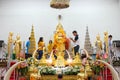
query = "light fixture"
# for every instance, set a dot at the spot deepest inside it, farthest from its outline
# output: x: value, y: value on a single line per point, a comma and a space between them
x: 69, y: 60
x: 59, y: 4
x: 49, y: 61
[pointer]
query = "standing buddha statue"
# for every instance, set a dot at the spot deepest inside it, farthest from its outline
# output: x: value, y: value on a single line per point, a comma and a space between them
x: 106, y: 42
x: 98, y: 43
x: 88, y: 69
x: 77, y: 60
x: 10, y: 43
x: 18, y: 46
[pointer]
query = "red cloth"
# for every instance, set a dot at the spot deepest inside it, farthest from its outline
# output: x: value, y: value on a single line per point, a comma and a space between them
x: 99, y: 77
x: 67, y: 43
x: 22, y: 78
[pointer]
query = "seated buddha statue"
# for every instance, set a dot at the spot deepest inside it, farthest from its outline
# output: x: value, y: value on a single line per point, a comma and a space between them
x: 88, y: 69
x: 82, y: 75
x: 35, y: 75
x: 60, y: 62
x: 77, y: 59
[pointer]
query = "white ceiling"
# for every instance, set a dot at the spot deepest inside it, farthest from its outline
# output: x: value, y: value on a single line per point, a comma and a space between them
x: 19, y: 7
x: 100, y: 15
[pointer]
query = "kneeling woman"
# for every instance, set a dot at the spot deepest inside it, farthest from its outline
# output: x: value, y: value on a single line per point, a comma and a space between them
x: 41, y: 45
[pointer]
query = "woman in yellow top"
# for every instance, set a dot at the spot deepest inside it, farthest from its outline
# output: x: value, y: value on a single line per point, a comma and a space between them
x: 41, y: 45
x: 50, y: 46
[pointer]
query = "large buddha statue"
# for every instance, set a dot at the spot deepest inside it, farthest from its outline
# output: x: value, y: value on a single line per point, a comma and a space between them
x: 59, y: 38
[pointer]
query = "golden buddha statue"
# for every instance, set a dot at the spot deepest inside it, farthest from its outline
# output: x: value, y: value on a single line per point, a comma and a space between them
x: 43, y: 59
x: 98, y: 43
x: 106, y: 41
x: 82, y: 75
x: 60, y: 60
x: 32, y: 66
x: 10, y: 43
x: 35, y: 75
x: 53, y: 60
x: 77, y: 60
x: 60, y: 37
x: 88, y: 69
x: 18, y: 46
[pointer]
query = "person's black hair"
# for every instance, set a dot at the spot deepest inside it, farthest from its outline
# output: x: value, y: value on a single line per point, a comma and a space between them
x: 40, y: 39
x: 110, y: 36
x: 74, y: 31
x: 29, y: 38
x: 60, y: 76
x: 50, y: 41
x: 83, y: 56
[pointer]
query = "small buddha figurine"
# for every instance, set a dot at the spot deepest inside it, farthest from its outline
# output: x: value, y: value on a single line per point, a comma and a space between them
x: 10, y: 43
x: 60, y: 60
x: 106, y: 42
x: 88, y: 69
x: 77, y: 59
x: 98, y: 43
x: 53, y: 59
x: 32, y: 66
x: 82, y: 75
x: 35, y: 75
x: 18, y: 46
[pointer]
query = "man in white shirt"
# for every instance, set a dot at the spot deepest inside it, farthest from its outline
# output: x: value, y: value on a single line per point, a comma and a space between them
x: 75, y: 42
x: 110, y: 45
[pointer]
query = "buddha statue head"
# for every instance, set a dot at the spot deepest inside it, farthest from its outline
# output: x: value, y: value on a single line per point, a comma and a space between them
x: 10, y: 37
x: 18, y: 37
x: 98, y: 37
x: 10, y: 33
x: 60, y: 33
x: 106, y: 33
